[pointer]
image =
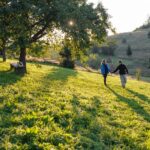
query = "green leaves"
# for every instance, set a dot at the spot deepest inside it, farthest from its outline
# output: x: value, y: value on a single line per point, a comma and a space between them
x: 30, y: 17
x: 31, y: 20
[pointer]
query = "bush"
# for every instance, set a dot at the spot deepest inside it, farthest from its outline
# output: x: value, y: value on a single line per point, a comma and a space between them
x: 94, y: 61
x: 129, y: 51
x: 148, y: 34
x: 109, y: 49
x: 138, y: 74
x: 95, y: 49
x: 68, y: 63
x: 124, y: 41
x: 66, y: 58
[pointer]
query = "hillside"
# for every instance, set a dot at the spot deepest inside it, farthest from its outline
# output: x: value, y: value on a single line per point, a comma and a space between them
x: 56, y: 108
x: 140, y: 45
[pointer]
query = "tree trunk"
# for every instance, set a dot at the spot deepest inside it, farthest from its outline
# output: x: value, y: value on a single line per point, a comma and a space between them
x: 4, y: 50
x: 4, y: 54
x: 22, y: 58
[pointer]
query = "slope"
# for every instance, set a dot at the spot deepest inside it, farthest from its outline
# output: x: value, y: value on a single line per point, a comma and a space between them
x: 56, y: 108
x: 140, y: 46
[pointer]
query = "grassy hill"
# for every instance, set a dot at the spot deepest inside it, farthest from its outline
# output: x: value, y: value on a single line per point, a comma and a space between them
x: 140, y: 45
x: 56, y: 108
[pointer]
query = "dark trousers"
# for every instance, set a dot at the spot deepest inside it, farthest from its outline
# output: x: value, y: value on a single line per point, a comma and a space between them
x: 105, y: 77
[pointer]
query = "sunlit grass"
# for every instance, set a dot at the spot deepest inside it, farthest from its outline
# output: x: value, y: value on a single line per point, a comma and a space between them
x: 52, y: 107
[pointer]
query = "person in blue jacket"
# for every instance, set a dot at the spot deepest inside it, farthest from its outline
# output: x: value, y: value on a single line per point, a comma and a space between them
x: 104, y: 68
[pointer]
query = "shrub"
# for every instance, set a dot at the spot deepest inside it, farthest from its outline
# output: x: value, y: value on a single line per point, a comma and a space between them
x: 95, y: 49
x: 148, y: 34
x: 94, y: 61
x: 124, y: 41
x: 108, y: 49
x: 138, y: 74
x: 129, y: 51
x: 66, y: 58
x: 109, y: 60
x: 68, y: 63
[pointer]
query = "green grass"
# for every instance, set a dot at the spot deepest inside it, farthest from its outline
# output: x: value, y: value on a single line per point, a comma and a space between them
x: 55, y: 108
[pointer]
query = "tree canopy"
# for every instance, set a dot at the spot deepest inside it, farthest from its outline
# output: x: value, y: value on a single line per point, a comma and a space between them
x: 28, y: 21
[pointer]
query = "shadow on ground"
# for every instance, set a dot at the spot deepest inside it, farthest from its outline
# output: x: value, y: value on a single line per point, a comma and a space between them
x: 136, y: 107
x: 58, y: 76
x: 61, y: 74
x: 93, y: 134
x: 139, y: 95
x: 9, y: 77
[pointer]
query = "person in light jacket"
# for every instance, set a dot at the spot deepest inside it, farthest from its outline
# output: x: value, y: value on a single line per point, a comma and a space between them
x: 122, y: 71
x: 104, y: 68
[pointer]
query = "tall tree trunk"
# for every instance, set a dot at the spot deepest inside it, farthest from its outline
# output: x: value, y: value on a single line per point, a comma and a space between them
x: 22, y: 58
x: 4, y: 50
x: 4, y: 54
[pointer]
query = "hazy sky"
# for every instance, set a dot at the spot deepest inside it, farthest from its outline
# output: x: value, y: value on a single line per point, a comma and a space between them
x: 126, y: 14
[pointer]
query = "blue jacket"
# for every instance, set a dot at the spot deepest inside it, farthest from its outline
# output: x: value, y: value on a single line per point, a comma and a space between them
x: 104, y: 70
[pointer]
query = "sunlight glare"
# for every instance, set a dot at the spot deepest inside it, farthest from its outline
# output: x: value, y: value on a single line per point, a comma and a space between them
x: 71, y: 23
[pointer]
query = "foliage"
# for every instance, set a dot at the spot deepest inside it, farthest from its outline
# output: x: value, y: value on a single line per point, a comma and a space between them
x: 67, y: 60
x: 146, y: 24
x: 109, y: 48
x: 148, y: 34
x: 5, y: 18
x: 38, y: 49
x: 94, y: 61
x: 95, y: 49
x: 58, y: 108
x: 31, y: 20
x: 124, y: 41
x: 129, y: 51
x: 106, y: 48
x: 138, y: 74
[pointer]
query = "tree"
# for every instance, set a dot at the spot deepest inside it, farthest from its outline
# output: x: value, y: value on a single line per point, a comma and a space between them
x: 33, y: 19
x: 109, y: 48
x: 124, y: 41
x: 148, y: 34
x: 67, y: 60
x: 145, y: 25
x: 129, y: 51
x: 4, y: 28
x: 95, y: 49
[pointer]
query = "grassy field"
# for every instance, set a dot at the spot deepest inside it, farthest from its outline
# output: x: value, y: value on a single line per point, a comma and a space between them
x: 53, y: 108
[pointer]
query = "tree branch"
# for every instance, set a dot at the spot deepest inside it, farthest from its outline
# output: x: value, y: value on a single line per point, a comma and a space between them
x: 39, y: 34
x: 36, y: 23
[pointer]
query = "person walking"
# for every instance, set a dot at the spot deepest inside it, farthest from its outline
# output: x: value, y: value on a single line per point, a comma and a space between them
x: 104, y: 68
x: 122, y: 71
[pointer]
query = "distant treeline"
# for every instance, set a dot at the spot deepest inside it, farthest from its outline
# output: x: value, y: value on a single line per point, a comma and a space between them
x: 146, y: 25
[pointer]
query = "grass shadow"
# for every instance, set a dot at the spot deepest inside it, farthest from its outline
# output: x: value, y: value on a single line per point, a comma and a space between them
x: 86, y: 124
x: 139, y: 95
x: 55, y: 80
x: 9, y: 77
x: 136, y: 107
x: 61, y: 74
x: 39, y: 64
x: 56, y: 75
x: 94, y: 134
